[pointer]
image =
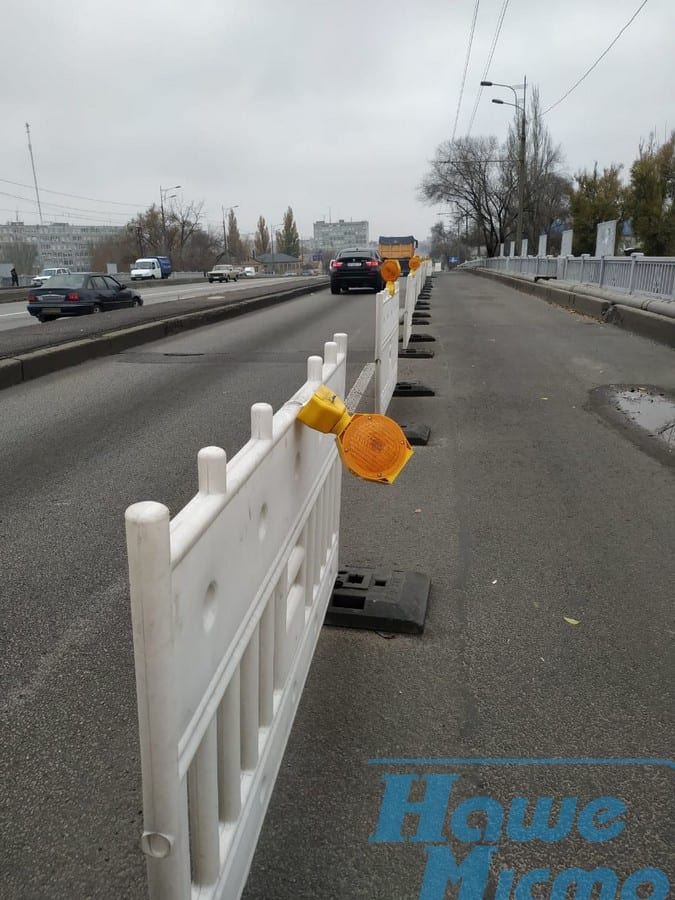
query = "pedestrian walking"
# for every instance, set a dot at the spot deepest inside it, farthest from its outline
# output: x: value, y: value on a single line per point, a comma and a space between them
x: 15, y: 277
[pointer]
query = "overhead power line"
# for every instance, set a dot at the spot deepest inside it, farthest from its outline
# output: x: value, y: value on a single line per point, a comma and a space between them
x: 73, y: 196
x: 602, y: 56
x: 466, y: 66
x: 493, y: 47
x: 58, y: 206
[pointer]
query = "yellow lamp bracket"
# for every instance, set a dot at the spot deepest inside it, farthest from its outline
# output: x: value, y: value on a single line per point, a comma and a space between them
x: 371, y: 446
x: 414, y: 263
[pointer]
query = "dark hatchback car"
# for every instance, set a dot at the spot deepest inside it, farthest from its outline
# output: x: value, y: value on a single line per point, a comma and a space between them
x: 79, y: 294
x: 356, y: 268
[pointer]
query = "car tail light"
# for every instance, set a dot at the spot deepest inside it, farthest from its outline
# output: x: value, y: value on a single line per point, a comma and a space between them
x: 72, y: 296
x: 337, y: 264
x: 372, y: 263
x: 32, y: 298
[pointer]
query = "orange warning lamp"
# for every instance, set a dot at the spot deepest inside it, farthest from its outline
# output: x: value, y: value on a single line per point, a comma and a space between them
x: 371, y: 446
x: 414, y: 263
x: 390, y: 271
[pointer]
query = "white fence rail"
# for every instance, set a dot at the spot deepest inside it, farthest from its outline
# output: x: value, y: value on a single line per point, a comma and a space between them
x: 411, y: 294
x: 653, y: 276
x: 387, y: 320
x: 386, y: 347
x: 413, y: 287
x: 227, y: 601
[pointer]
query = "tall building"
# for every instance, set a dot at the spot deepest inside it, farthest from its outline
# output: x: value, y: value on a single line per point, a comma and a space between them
x: 59, y: 243
x: 335, y: 235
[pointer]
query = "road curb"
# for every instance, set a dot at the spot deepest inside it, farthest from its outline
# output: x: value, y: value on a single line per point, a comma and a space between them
x: 10, y: 372
x: 36, y: 363
x: 612, y: 312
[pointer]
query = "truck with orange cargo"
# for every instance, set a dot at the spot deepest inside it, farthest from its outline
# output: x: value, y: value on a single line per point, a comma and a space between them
x: 400, y: 248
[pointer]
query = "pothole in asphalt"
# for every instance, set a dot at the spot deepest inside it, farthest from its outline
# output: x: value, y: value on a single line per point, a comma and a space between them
x: 653, y: 411
x: 645, y: 414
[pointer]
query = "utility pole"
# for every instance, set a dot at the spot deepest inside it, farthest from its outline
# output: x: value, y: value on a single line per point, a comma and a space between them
x: 32, y: 162
x: 162, y: 197
x: 521, y: 176
x: 521, y: 110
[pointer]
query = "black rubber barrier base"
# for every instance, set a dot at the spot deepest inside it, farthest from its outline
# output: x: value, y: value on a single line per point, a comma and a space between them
x: 418, y: 435
x: 422, y: 306
x: 414, y: 353
x: 421, y: 320
x: 420, y: 338
x: 379, y: 600
x: 412, y: 389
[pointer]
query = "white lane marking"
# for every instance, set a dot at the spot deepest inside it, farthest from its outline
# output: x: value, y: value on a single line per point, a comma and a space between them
x: 355, y: 395
x: 6, y: 315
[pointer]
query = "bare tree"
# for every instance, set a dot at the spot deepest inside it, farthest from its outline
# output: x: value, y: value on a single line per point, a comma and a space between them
x: 22, y: 255
x: 204, y: 250
x: 119, y: 250
x: 480, y: 177
x: 477, y: 177
x: 179, y: 234
x: 182, y: 221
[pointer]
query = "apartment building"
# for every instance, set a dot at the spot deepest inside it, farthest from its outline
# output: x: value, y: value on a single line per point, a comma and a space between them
x: 335, y: 235
x: 58, y: 243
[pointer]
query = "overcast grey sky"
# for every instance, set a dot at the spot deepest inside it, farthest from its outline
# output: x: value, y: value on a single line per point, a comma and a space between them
x: 332, y: 108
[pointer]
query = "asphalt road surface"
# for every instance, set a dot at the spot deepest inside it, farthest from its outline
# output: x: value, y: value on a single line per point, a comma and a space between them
x: 78, y: 447
x: 530, y: 511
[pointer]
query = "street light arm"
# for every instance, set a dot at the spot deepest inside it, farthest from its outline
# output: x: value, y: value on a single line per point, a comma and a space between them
x: 499, y: 84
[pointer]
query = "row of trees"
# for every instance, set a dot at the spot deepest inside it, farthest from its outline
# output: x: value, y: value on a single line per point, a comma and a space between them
x: 179, y: 232
x: 478, y: 176
x: 646, y: 201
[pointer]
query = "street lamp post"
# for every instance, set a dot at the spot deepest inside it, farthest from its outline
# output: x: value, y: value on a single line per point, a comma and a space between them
x: 521, y: 161
x: 226, y: 209
x: 162, y: 197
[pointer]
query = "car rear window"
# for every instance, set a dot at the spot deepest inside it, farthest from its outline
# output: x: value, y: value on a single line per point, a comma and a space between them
x: 65, y: 281
x: 355, y: 254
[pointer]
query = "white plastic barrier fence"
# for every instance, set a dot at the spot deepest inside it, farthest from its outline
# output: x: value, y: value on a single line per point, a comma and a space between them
x: 411, y: 295
x: 386, y: 347
x: 227, y: 603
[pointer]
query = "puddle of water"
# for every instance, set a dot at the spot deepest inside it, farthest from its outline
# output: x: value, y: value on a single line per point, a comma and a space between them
x: 652, y: 411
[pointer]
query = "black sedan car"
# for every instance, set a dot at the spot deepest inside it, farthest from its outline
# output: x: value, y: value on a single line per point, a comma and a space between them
x: 355, y: 268
x: 79, y: 294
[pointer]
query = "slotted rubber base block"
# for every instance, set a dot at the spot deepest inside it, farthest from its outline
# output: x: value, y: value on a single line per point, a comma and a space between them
x: 379, y: 600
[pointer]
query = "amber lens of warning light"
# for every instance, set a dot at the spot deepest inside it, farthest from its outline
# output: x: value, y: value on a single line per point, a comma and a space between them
x: 374, y: 447
x: 390, y: 269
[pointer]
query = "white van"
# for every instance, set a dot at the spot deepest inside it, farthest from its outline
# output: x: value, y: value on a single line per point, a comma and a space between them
x: 150, y: 267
